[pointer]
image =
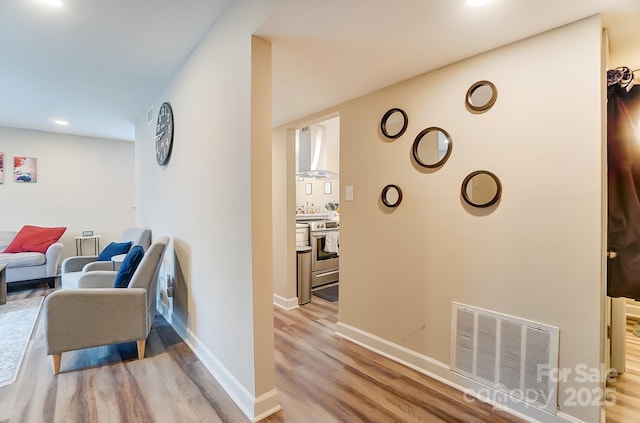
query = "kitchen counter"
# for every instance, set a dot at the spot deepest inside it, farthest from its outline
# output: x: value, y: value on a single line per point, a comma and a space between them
x: 311, y: 216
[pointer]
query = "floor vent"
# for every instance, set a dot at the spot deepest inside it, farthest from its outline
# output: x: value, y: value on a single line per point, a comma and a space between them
x: 506, y: 353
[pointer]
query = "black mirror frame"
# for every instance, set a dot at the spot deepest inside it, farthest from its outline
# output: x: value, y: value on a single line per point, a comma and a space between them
x: 387, y: 115
x: 416, y: 143
x: 487, y: 105
x: 383, y: 196
x: 469, y: 177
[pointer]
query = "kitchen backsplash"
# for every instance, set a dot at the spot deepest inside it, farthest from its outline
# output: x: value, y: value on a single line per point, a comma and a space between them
x: 313, y: 194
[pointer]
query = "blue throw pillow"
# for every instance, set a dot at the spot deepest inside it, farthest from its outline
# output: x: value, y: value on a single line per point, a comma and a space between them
x: 114, y: 249
x: 128, y: 267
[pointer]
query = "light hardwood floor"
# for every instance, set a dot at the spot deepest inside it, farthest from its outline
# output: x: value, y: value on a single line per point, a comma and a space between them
x: 320, y: 378
x: 626, y: 388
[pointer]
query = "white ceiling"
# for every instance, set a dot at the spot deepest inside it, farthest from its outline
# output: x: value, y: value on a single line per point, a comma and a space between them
x: 100, y: 64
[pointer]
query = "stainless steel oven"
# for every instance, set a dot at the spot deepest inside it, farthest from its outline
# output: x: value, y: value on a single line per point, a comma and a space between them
x: 324, y: 252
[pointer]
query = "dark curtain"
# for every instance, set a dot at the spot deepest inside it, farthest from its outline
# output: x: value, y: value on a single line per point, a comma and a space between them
x: 623, y: 170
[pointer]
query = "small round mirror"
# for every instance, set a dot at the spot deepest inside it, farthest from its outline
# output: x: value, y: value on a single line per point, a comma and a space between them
x: 481, y: 189
x: 432, y: 147
x: 481, y: 96
x: 394, y: 123
x: 391, y: 195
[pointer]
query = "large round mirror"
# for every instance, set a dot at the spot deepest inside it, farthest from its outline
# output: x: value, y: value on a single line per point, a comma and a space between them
x: 391, y: 195
x: 432, y: 147
x: 481, y: 96
x: 394, y: 123
x: 481, y: 189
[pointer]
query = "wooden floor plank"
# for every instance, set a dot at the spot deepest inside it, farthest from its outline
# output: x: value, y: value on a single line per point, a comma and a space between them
x: 626, y: 387
x: 320, y: 377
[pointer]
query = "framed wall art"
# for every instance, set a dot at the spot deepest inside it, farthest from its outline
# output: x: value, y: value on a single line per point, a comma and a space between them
x: 25, y: 169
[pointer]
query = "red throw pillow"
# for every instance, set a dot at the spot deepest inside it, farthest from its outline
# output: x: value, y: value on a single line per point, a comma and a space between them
x: 34, y: 239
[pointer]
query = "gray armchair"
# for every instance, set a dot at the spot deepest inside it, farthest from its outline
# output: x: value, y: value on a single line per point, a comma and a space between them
x: 74, y: 267
x: 82, y: 318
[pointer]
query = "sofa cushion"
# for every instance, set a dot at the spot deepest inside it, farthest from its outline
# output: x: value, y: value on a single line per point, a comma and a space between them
x: 128, y: 267
x: 114, y: 249
x: 34, y: 239
x: 22, y: 259
x: 70, y: 280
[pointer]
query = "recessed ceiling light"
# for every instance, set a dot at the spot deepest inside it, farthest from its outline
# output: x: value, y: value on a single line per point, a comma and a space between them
x: 56, y: 3
x: 475, y: 3
x: 61, y: 122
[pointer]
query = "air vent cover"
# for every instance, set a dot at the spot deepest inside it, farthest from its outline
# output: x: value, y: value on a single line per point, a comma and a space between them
x: 506, y: 353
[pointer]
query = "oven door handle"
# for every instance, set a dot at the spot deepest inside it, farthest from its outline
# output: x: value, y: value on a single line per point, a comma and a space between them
x: 333, y: 272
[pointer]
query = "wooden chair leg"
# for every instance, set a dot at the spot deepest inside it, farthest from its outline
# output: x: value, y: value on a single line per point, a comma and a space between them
x: 141, y: 344
x: 55, y: 361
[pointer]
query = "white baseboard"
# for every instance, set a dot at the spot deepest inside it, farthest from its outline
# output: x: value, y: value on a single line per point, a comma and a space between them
x: 442, y: 373
x: 633, y: 311
x: 254, y: 408
x: 266, y: 405
x: 285, y: 303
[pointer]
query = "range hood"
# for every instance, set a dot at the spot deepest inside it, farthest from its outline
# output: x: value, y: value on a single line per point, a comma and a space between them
x: 312, y: 153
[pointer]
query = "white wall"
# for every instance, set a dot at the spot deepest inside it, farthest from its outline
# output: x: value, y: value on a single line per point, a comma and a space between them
x: 329, y: 161
x: 537, y: 255
x: 83, y: 183
x: 203, y: 200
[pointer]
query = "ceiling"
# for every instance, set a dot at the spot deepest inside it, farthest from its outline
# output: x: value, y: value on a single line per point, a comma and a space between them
x: 100, y: 64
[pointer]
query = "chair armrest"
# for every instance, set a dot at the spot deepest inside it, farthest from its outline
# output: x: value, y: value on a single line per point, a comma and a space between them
x: 97, y: 279
x: 83, y: 318
x: 52, y: 258
x: 98, y: 265
x: 76, y: 263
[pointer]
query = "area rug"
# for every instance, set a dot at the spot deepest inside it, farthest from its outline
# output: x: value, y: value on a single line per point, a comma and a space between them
x: 329, y: 293
x: 17, y: 320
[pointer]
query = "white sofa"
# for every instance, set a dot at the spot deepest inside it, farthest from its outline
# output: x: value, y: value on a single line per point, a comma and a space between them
x: 30, y: 265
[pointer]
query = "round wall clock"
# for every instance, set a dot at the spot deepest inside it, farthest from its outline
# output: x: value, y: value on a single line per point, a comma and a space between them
x: 164, y: 133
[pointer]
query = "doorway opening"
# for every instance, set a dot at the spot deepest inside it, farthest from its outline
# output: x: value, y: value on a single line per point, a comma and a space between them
x: 317, y: 206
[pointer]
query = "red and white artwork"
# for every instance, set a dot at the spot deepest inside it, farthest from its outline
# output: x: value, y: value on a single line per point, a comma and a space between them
x: 25, y: 169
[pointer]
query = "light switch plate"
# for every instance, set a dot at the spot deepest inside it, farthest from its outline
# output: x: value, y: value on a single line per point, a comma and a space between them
x: 348, y: 193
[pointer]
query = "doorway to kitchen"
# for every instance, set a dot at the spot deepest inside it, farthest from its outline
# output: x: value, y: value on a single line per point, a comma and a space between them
x: 317, y: 196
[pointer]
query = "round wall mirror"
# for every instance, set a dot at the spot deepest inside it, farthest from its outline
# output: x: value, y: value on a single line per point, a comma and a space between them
x: 481, y: 96
x: 481, y: 189
x: 394, y: 123
x: 432, y: 147
x: 391, y: 195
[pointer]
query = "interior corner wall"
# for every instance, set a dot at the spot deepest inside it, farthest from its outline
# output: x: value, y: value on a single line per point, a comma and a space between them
x: 202, y: 199
x: 284, y: 237
x: 536, y: 255
x: 83, y: 183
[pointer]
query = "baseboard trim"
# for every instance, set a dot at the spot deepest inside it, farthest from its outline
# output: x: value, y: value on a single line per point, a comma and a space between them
x: 442, y: 373
x: 266, y: 405
x: 633, y: 311
x: 285, y: 303
x: 255, y: 408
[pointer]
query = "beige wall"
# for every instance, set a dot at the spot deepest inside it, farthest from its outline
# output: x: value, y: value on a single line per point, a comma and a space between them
x: 537, y: 255
x: 203, y: 200
x: 83, y: 183
x: 284, y: 237
x: 533, y: 256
